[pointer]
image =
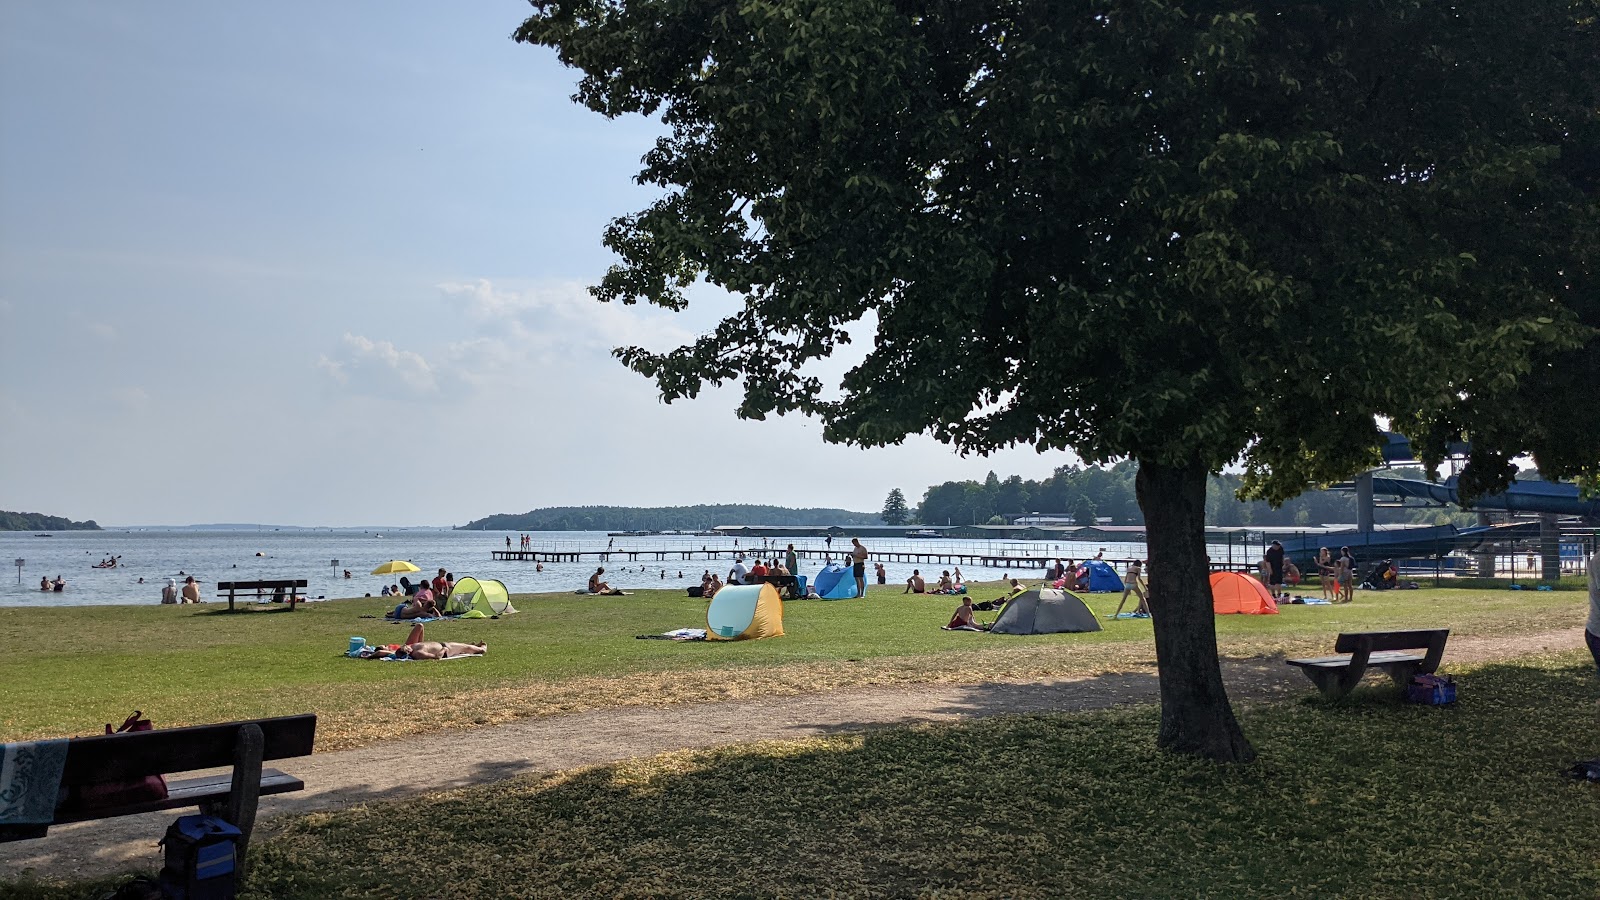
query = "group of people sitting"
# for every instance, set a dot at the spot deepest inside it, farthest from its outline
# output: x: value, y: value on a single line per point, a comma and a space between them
x: 425, y: 599
x: 963, y: 619
x: 947, y: 584
x: 774, y: 572
x: 189, y: 593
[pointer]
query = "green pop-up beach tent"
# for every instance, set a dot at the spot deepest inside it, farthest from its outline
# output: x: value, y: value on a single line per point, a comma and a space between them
x: 475, y: 598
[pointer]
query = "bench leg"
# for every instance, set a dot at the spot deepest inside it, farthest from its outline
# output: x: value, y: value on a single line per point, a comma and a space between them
x: 1402, y: 673
x: 1329, y: 683
x: 1334, y: 683
x: 245, y: 795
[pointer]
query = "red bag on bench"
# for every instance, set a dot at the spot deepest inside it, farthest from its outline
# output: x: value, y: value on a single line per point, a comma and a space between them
x: 120, y: 793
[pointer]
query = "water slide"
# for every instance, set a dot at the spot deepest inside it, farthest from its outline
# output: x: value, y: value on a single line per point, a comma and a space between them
x: 1521, y: 497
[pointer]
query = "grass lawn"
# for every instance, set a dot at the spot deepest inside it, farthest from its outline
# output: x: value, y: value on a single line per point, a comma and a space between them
x: 1361, y: 797
x: 71, y: 669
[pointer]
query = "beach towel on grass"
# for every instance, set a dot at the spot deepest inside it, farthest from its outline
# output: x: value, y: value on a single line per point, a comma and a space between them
x: 680, y: 634
x: 445, y: 659
x: 30, y: 781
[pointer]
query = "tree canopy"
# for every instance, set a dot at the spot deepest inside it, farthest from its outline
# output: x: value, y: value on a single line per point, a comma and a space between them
x: 895, y: 510
x: 1187, y: 234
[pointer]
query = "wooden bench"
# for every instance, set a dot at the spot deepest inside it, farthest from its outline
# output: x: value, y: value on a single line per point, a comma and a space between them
x: 117, y: 758
x: 1336, y: 676
x: 288, y: 589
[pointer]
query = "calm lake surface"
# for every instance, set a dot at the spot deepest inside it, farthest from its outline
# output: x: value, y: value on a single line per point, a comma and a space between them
x: 247, y: 555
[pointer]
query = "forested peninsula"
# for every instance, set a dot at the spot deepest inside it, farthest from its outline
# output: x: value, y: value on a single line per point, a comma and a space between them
x: 665, y: 518
x: 24, y: 521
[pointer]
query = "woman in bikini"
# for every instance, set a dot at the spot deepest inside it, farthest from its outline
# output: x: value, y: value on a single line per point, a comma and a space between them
x: 1325, y: 572
x: 1134, y: 584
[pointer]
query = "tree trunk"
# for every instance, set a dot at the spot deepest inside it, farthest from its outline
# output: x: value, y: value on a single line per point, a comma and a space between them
x: 1195, y: 715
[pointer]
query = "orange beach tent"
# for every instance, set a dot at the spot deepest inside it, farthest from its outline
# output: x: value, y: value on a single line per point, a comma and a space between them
x: 1232, y: 592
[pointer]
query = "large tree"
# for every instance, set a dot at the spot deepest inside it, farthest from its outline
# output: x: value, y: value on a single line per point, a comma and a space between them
x: 1186, y: 234
x: 895, y: 510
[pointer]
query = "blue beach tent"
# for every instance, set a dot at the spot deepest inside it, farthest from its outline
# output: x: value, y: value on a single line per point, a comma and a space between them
x: 835, y: 582
x: 1102, y: 578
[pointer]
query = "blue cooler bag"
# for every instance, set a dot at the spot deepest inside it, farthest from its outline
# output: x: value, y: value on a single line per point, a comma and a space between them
x: 201, y: 860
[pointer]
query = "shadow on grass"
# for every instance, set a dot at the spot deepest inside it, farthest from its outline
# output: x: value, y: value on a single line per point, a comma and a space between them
x: 1049, y: 805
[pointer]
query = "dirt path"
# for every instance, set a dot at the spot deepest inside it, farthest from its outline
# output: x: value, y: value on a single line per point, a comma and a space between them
x: 396, y: 769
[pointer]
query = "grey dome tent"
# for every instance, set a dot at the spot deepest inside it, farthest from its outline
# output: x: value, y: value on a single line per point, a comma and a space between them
x: 1045, y: 611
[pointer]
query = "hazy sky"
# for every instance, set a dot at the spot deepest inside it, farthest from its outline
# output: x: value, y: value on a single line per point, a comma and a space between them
x: 324, y: 263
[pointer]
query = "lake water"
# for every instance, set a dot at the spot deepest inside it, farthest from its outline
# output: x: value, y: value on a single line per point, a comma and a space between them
x: 248, y: 555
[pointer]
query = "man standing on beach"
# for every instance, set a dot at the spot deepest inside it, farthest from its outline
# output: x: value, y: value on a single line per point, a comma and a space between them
x: 858, y: 555
x: 791, y: 561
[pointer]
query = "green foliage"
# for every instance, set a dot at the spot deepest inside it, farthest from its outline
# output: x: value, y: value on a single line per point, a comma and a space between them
x: 667, y: 518
x: 895, y: 510
x: 1128, y: 229
x: 22, y: 521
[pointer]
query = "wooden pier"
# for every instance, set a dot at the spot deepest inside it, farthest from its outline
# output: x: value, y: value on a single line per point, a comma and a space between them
x: 991, y: 560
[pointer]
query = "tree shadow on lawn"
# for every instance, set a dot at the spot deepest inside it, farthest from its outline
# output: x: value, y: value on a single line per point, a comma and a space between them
x: 1364, y: 796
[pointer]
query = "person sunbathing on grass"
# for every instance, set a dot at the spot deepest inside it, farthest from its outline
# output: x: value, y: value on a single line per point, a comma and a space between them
x: 597, y: 586
x: 440, y: 650
x: 962, y: 620
x: 416, y: 647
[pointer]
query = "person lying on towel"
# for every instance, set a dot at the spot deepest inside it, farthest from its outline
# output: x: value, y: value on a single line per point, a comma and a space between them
x: 416, y: 647
x: 418, y: 607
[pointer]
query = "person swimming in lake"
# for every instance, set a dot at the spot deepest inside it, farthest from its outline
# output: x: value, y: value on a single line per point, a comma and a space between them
x: 44, y: 582
x: 58, y: 585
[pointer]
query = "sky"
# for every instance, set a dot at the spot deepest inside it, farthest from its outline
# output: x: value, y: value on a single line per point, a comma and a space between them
x: 326, y: 264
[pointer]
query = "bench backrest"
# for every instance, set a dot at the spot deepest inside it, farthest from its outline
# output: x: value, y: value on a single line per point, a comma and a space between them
x: 110, y: 757
x: 1378, y: 641
x: 260, y: 585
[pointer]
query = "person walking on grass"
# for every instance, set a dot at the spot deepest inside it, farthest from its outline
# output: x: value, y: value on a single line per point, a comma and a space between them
x: 1134, y: 584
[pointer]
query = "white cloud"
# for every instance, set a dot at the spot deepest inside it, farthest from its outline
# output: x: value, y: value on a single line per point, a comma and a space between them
x: 132, y: 397
x: 563, y: 316
x: 375, y: 365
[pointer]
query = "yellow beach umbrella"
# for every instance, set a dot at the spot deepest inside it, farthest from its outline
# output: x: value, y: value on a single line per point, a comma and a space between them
x: 395, y: 566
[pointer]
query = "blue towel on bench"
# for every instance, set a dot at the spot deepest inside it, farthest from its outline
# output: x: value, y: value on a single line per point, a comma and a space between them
x: 30, y: 780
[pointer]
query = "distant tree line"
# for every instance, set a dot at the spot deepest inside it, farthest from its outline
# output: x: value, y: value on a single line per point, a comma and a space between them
x: 22, y: 521
x: 1088, y: 494
x: 665, y: 518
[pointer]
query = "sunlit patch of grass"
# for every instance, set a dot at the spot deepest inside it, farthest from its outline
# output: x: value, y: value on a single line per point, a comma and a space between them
x: 78, y: 667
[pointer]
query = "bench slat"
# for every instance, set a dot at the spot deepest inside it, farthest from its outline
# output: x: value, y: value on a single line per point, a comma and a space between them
x: 115, y: 757
x: 1419, y: 639
x: 1376, y: 659
x: 188, y: 792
